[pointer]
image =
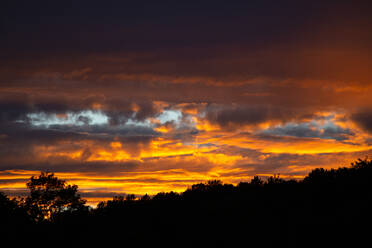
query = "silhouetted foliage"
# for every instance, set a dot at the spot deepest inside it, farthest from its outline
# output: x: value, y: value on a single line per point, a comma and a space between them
x: 256, y: 181
x: 14, y: 218
x: 50, y: 196
x: 145, y: 197
x: 327, y: 207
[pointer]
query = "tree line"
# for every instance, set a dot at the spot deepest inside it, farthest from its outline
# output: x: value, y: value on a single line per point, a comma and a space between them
x: 332, y: 206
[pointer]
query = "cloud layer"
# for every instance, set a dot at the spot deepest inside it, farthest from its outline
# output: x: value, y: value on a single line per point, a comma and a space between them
x: 142, y: 98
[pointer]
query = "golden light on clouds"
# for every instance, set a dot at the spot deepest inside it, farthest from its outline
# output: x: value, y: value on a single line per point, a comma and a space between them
x: 168, y: 163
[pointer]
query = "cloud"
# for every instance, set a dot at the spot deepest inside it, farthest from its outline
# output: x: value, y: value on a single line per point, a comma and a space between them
x: 311, y: 130
x: 364, y: 119
x: 78, y: 74
x: 240, y: 115
x: 164, y: 95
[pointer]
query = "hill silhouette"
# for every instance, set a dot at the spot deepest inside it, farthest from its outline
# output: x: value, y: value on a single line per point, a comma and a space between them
x: 328, y: 207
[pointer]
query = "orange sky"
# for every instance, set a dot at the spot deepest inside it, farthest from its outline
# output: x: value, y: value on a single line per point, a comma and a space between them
x: 189, y: 150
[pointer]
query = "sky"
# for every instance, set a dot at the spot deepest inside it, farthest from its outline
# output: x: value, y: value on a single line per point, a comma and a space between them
x: 136, y: 97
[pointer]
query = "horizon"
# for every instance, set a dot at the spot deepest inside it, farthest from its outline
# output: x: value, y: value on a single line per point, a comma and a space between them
x: 101, y: 197
x: 140, y: 98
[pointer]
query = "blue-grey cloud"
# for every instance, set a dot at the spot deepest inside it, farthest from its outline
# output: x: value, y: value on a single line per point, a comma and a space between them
x: 311, y: 130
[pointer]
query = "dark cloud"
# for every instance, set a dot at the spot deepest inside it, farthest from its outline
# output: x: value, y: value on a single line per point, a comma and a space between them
x: 301, y: 163
x: 364, y: 119
x: 18, y: 140
x: 236, y: 115
x: 290, y: 39
x: 146, y: 109
x: 18, y: 107
x: 103, y: 168
x: 120, y: 111
x: 309, y: 130
x: 13, y: 107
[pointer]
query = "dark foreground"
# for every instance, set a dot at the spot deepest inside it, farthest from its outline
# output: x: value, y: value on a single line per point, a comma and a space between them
x: 328, y: 207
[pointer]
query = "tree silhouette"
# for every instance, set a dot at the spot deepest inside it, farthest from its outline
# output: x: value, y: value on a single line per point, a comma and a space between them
x: 11, y: 210
x: 50, y: 196
x: 332, y: 205
x: 256, y: 181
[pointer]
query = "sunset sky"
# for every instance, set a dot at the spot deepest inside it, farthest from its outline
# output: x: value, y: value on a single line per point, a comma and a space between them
x: 147, y: 96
